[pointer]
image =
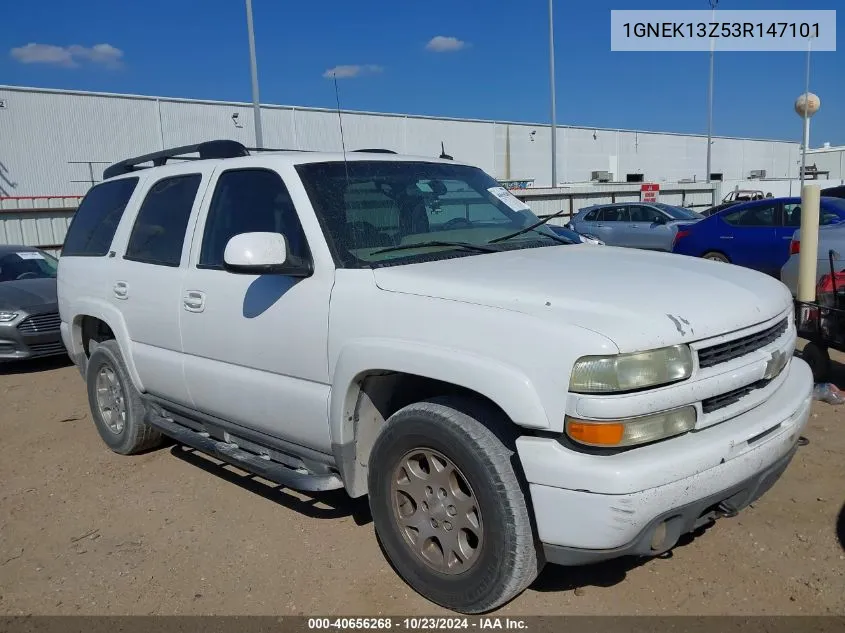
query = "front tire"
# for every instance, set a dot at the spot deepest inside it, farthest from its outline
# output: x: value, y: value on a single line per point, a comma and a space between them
x: 449, y: 508
x: 116, y: 405
x: 716, y: 257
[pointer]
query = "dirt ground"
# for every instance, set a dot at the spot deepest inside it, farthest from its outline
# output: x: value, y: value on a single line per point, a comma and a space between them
x: 86, y: 531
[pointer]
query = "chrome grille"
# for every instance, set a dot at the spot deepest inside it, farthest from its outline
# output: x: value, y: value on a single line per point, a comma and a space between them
x: 723, y: 352
x: 40, y: 323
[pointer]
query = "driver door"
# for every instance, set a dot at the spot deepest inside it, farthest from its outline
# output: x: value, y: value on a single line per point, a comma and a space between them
x: 252, y: 354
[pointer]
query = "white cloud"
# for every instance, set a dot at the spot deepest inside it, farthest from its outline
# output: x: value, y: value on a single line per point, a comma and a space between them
x: 444, y: 44
x: 68, y: 56
x: 350, y: 71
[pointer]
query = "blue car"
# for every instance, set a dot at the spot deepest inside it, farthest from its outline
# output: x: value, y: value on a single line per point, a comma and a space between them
x: 752, y: 234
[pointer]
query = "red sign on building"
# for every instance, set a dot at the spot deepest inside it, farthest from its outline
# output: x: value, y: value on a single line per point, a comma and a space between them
x: 649, y: 192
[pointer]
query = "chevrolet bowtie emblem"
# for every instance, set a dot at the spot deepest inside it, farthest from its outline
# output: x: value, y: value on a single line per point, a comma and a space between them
x: 775, y: 364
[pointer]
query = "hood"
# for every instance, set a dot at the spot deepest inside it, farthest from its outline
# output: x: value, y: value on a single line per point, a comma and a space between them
x: 27, y: 293
x: 638, y: 299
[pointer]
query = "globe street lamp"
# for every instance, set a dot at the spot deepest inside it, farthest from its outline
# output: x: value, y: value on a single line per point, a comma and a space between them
x: 806, y: 106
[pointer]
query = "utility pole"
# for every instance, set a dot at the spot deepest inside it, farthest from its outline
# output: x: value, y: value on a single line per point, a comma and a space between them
x: 713, y: 4
x: 253, y: 65
x: 552, y: 83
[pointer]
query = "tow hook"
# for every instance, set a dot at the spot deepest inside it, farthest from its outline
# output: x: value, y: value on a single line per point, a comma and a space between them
x: 727, y: 510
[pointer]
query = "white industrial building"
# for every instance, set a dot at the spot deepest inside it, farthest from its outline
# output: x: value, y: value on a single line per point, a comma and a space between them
x: 56, y: 142
x: 828, y: 162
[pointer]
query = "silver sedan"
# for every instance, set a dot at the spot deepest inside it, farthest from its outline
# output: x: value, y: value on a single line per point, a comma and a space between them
x: 650, y: 226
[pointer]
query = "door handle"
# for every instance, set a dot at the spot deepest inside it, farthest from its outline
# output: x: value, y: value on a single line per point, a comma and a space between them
x: 194, y: 301
x: 726, y: 237
x: 787, y: 237
x: 121, y: 290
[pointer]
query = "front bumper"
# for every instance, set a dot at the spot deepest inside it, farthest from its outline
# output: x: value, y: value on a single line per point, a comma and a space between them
x: 611, y: 513
x: 21, y: 345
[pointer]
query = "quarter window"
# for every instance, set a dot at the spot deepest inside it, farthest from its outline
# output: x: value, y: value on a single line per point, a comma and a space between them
x: 95, y: 222
x: 159, y: 231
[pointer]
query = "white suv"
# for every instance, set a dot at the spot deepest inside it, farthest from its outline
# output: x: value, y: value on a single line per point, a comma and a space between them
x: 405, y: 328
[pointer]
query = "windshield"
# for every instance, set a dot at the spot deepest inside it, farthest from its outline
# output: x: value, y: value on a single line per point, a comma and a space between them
x: 367, y: 208
x: 679, y: 213
x: 27, y: 265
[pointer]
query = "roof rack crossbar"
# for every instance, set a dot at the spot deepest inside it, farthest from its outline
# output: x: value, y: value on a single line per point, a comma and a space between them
x: 209, y: 149
x: 276, y: 149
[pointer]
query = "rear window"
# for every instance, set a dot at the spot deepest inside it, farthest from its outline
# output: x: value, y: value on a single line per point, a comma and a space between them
x: 835, y: 206
x: 95, y: 222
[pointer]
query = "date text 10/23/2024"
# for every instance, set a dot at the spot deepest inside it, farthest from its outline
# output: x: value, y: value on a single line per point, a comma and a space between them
x: 415, y: 623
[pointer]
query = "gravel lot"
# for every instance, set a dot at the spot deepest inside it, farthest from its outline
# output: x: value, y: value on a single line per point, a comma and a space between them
x: 85, y: 531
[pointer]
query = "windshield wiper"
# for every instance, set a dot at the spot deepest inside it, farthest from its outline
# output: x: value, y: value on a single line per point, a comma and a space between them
x: 465, y: 245
x: 531, y: 227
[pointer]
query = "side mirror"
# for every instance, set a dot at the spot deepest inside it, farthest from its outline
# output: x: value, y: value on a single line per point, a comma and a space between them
x: 263, y: 254
x: 660, y: 220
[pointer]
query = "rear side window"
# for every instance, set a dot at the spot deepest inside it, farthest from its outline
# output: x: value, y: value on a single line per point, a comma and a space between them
x: 614, y: 214
x: 159, y: 231
x: 248, y: 201
x: 95, y: 222
x: 759, y: 215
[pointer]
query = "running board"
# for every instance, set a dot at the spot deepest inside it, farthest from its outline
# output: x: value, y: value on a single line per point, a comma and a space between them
x: 231, y: 454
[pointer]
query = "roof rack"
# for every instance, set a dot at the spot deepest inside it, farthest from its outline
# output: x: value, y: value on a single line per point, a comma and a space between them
x: 206, y: 150
x: 276, y: 149
x: 375, y: 151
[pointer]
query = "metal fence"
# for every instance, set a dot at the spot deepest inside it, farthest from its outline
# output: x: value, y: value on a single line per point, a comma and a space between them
x: 40, y: 221
x: 43, y: 221
x: 545, y: 202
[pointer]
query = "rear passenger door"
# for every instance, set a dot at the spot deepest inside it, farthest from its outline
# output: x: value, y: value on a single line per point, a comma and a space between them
x: 147, y: 282
x: 612, y: 226
x: 587, y: 223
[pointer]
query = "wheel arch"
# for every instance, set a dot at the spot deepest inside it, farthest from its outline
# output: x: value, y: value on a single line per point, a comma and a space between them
x: 95, y: 321
x: 373, y: 381
x: 718, y: 251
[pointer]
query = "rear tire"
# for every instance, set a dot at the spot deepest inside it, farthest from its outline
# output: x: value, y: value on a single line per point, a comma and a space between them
x: 116, y: 405
x: 438, y: 466
x: 716, y: 257
x: 818, y: 358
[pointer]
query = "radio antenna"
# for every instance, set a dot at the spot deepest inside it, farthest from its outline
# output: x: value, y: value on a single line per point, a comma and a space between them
x: 340, y: 121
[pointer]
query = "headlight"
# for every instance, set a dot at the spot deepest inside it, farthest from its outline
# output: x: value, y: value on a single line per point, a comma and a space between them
x: 627, y: 372
x: 632, y: 431
x: 5, y: 317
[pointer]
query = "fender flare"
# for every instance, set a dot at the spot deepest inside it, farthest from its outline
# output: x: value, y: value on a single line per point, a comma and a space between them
x: 112, y: 317
x: 503, y: 384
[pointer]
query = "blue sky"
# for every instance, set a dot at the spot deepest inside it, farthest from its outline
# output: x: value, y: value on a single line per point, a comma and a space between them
x: 496, y: 67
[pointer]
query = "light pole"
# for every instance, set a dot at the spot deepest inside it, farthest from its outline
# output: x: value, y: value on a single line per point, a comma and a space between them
x: 713, y: 4
x: 552, y: 85
x: 253, y: 66
x: 806, y: 106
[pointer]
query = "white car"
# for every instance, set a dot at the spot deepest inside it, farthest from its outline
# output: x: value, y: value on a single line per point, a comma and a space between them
x: 831, y: 238
x: 404, y: 328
